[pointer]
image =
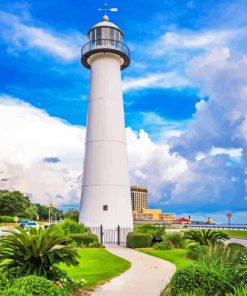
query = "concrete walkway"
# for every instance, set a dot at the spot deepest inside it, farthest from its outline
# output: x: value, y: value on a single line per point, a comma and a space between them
x: 147, y: 275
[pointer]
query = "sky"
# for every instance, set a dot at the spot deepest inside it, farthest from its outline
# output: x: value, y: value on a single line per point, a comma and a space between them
x: 185, y: 100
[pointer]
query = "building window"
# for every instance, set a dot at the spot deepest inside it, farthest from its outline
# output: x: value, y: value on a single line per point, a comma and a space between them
x: 105, y: 208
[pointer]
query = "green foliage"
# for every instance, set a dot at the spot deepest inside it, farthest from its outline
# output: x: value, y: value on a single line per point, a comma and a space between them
x: 13, y: 203
x: 154, y: 230
x: 95, y: 244
x: 70, y: 226
x: 139, y: 240
x: 72, y: 215
x: 69, y: 285
x: 234, y: 254
x: 240, y: 291
x: 4, y: 281
x: 38, y: 286
x: 216, y: 278
x: 14, y: 291
x: 42, y: 211
x: 83, y: 239
x: 177, y: 239
x: 162, y: 246
x: 31, y: 212
x: 196, y: 252
x: 35, y: 251
x: 7, y: 219
x: 205, y: 236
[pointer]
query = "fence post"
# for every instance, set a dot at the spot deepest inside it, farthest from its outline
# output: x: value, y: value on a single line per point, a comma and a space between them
x: 118, y: 235
x: 101, y: 234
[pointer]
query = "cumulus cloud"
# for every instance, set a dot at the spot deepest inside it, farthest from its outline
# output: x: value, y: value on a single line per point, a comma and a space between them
x: 194, y: 40
x: 155, y: 80
x: 29, y: 136
x: 22, y: 36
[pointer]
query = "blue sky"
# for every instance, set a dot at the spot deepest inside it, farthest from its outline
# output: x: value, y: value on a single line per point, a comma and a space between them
x: 184, y: 94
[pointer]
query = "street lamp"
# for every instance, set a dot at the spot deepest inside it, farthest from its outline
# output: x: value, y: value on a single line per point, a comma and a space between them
x: 229, y: 216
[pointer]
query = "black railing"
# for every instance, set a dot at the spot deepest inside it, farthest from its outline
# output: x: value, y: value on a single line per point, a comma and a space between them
x: 107, y: 44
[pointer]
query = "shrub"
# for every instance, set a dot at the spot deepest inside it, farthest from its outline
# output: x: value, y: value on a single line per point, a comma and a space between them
x: 177, y: 240
x: 13, y: 291
x: 205, y: 236
x: 240, y: 291
x: 35, y: 251
x: 37, y: 286
x: 162, y: 246
x: 196, y: 252
x: 69, y: 285
x: 216, y: 278
x: 139, y: 240
x: 71, y: 226
x: 95, y: 244
x: 3, y: 280
x: 154, y: 230
x: 83, y: 239
x: 7, y: 219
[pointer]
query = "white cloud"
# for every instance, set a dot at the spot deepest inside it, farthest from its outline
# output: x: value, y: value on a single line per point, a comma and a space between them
x: 22, y: 36
x: 28, y: 136
x: 155, y: 80
x: 233, y: 153
x: 194, y: 40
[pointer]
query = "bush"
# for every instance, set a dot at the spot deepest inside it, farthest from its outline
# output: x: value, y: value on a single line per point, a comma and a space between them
x: 205, y: 236
x: 34, y: 286
x: 154, y: 230
x: 242, y: 291
x: 177, y: 240
x: 35, y: 251
x: 196, y: 252
x: 7, y: 219
x: 162, y: 246
x: 95, y: 244
x: 216, y: 278
x: 71, y: 226
x: 139, y: 240
x: 83, y: 239
x: 3, y: 280
x: 13, y: 291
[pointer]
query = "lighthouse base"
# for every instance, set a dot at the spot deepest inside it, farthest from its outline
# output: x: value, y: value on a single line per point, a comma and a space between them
x: 106, y: 205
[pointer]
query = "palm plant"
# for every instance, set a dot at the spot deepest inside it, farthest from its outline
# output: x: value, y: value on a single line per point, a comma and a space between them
x: 206, y: 236
x: 35, y: 251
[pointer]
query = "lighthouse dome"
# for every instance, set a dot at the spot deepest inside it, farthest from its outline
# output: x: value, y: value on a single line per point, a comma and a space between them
x: 105, y: 37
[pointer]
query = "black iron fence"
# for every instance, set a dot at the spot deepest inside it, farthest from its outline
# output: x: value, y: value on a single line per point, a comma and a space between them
x: 113, y: 236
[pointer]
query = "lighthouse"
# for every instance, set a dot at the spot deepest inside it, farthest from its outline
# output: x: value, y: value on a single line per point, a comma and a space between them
x: 105, y: 196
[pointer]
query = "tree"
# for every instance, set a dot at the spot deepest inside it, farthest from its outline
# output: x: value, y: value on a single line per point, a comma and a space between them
x: 31, y: 212
x: 206, y: 236
x: 72, y: 214
x: 13, y: 203
x: 35, y: 251
x: 42, y: 211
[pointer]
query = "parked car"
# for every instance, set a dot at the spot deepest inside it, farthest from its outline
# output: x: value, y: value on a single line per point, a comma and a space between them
x: 32, y: 224
x: 23, y: 223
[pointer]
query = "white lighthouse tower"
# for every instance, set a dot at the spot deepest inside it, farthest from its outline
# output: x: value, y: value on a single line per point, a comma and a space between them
x: 105, y: 198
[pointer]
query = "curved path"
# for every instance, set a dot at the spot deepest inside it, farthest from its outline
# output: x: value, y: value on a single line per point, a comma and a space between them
x: 147, y: 275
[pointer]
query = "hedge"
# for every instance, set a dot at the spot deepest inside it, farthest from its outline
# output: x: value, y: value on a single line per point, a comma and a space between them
x: 83, y: 239
x: 33, y: 285
x: 139, y: 240
x: 7, y: 219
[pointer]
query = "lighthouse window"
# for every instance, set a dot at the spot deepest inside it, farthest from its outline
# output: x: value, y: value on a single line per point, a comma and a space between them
x: 111, y: 34
x: 98, y: 33
x: 105, y: 208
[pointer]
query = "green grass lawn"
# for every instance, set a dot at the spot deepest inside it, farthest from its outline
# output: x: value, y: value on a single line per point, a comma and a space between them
x: 236, y: 233
x: 96, y: 266
x: 176, y: 256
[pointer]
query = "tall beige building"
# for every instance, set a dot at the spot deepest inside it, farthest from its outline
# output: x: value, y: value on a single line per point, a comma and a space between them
x: 139, y: 198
